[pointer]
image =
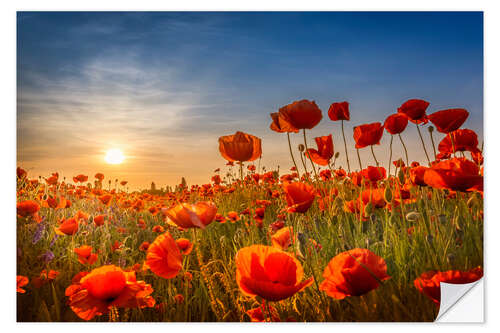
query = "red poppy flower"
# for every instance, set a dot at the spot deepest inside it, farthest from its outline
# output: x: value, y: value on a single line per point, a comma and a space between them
x: 456, y: 174
x: 45, y: 277
x: 447, y: 121
x: 268, y: 272
x: 299, y: 115
x: 233, y: 216
x: 463, y: 140
x: 99, y: 220
x: 67, y: 227
x: 353, y: 273
x: 105, y: 199
x: 399, y: 163
x: 21, y: 281
x: 299, y: 196
x: 21, y: 173
x: 373, y: 174
x: 415, y: 109
x: 240, y: 147
x: 396, y: 123
x: 417, y: 175
x: 85, y: 255
x: 80, y: 178
x: 164, y: 257
x: 429, y: 282
x: 54, y: 203
x: 123, y: 182
x: 477, y: 157
x: 256, y: 314
x: 184, y: 245
x: 373, y: 196
x: 282, y: 239
x: 105, y: 287
x: 281, y: 125
x: 27, y: 208
x: 368, y: 134
x: 144, y: 246
x: 158, y: 229
x: 186, y: 215
x: 324, y: 152
x: 339, y: 111
x: 52, y: 180
x: 99, y: 176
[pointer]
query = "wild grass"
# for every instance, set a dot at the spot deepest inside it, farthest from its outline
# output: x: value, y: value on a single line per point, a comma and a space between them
x: 448, y: 234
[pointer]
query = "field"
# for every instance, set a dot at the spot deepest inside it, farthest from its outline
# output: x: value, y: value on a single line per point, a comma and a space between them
x: 187, y: 253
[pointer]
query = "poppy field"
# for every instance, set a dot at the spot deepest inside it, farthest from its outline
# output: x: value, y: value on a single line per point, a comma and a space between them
x: 370, y: 241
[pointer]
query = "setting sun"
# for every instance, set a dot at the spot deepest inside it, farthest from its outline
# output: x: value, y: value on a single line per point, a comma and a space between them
x: 114, y: 156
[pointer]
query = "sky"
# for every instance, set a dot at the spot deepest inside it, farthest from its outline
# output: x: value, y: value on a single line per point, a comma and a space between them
x: 164, y: 86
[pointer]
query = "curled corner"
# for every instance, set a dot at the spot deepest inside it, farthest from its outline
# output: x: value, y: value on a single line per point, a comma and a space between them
x: 461, y: 302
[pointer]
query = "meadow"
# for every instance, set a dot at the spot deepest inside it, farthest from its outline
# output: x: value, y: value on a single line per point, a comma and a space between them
x: 317, y: 243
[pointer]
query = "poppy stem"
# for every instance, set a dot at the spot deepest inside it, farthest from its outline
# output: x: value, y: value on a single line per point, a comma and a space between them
x: 359, y: 160
x: 291, y: 154
x: 345, y: 147
x: 404, y: 147
x: 452, y: 144
x: 303, y: 163
x: 241, y: 172
x: 373, y: 154
x: 433, y: 145
x: 307, y: 151
x: 423, y: 144
x: 390, y: 156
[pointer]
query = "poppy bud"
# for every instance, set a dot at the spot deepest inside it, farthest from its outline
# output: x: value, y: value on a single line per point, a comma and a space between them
x: 302, y: 147
x: 430, y: 129
x: 413, y: 216
x: 401, y: 176
x: 337, y: 154
x: 388, y: 195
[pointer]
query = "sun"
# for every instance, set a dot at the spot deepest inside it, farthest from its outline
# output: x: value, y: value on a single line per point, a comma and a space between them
x: 114, y: 156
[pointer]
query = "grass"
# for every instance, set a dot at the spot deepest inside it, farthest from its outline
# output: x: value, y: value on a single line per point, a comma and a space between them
x: 448, y: 234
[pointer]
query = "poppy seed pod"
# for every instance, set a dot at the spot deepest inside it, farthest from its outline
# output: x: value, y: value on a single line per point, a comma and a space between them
x: 450, y: 258
x: 430, y: 129
x: 413, y: 216
x: 302, y: 147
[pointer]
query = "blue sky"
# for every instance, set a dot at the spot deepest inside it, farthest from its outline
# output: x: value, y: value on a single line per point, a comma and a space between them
x: 164, y: 86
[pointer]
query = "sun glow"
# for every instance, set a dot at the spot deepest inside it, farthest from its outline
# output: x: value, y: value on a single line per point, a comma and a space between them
x: 114, y: 156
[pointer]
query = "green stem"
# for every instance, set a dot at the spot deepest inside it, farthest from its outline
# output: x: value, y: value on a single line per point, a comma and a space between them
x: 452, y: 144
x: 423, y: 144
x: 406, y: 151
x: 291, y: 154
x: 345, y: 147
x: 359, y: 160
x: 307, y: 153
x: 303, y: 163
x: 373, y: 154
x: 390, y: 157
x: 241, y: 172
x: 433, y: 145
